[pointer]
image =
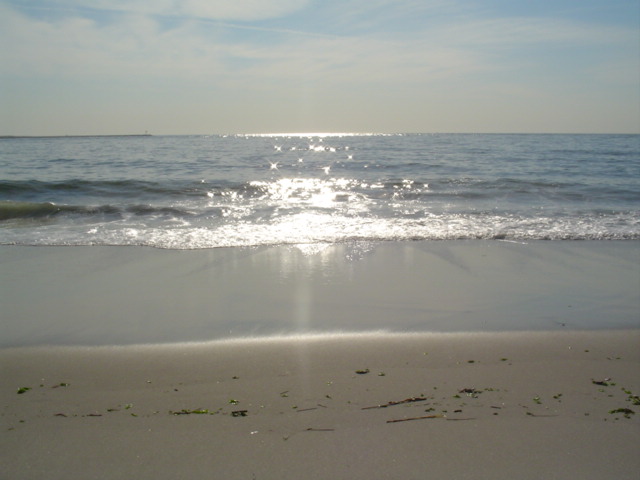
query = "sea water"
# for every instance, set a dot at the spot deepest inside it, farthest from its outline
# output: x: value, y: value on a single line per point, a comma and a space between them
x: 193, y: 192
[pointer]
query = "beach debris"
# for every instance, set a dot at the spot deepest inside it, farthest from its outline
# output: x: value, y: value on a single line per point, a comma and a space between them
x: 605, y: 383
x: 60, y: 415
x: 61, y: 384
x: 22, y: 390
x: 470, y: 392
x: 399, y: 402
x: 239, y: 413
x: 423, y: 417
x: 362, y: 372
x: 233, y: 401
x: 537, y: 400
x: 306, y: 409
x: 311, y: 429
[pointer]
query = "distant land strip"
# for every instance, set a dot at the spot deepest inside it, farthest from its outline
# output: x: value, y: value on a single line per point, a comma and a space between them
x: 74, y: 136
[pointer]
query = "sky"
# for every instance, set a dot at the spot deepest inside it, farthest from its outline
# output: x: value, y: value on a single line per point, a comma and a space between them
x: 82, y: 67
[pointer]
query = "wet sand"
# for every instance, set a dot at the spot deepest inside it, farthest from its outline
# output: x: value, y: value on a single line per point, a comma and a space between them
x: 135, y: 295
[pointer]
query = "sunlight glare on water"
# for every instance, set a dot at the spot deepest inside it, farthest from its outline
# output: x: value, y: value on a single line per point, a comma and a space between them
x: 266, y: 189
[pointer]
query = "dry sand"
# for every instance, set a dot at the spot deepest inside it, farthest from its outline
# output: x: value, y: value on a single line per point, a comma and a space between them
x: 497, y: 406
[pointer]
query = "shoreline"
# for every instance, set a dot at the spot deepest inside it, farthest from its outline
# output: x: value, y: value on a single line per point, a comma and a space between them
x: 491, y: 405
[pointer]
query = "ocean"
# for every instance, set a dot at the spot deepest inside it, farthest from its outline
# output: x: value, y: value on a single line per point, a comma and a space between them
x: 206, y: 191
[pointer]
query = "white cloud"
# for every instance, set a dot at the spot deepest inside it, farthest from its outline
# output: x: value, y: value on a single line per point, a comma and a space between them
x: 79, y: 47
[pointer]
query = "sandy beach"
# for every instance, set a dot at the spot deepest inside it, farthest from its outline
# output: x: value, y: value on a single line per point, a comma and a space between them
x: 498, y: 405
x: 439, y: 360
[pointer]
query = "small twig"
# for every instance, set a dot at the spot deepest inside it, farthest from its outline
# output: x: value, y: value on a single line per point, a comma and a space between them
x: 400, y: 402
x: 414, y: 418
x: 306, y: 409
x: 310, y: 429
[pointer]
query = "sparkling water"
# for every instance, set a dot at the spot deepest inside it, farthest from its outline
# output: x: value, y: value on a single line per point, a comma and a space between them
x: 186, y: 192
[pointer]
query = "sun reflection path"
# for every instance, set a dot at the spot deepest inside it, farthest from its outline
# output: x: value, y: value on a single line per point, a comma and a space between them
x: 313, y: 134
x: 311, y: 192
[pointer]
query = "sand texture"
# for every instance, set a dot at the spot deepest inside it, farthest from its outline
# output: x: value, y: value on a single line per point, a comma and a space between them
x: 477, y: 406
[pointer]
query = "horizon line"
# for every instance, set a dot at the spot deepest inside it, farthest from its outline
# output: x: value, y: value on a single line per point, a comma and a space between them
x: 302, y: 134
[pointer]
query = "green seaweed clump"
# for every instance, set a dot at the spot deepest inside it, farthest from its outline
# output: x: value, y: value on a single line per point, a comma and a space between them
x: 196, y: 411
x: 627, y: 412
